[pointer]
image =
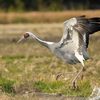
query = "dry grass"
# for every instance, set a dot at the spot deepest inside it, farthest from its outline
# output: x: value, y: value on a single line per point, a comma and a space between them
x: 15, y: 29
x: 27, y: 63
x: 37, y: 17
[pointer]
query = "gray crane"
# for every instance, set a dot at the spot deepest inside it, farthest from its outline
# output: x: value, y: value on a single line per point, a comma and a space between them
x: 72, y: 48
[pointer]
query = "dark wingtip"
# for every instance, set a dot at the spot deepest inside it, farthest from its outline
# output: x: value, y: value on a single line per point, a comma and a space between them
x: 81, y: 16
x: 95, y: 19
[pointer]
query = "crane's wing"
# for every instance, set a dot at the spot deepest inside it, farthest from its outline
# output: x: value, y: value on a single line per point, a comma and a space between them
x: 74, y: 31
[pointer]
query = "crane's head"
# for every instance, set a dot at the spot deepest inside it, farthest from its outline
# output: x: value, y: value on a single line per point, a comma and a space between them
x: 26, y: 35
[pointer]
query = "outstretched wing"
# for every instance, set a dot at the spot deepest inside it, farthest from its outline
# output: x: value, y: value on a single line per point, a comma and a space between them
x: 74, y: 31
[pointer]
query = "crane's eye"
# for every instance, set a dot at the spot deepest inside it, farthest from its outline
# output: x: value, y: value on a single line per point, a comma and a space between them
x: 26, y: 35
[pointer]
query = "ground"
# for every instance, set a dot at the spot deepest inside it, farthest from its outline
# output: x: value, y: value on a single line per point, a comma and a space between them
x: 30, y: 67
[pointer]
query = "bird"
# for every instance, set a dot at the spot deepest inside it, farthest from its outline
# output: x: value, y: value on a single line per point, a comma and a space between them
x: 72, y: 47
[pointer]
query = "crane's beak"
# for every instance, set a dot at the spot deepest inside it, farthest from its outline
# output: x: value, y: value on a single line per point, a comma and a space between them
x: 21, y: 39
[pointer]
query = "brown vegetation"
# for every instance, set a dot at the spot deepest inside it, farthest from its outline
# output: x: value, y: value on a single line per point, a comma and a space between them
x: 37, y: 17
x: 28, y: 65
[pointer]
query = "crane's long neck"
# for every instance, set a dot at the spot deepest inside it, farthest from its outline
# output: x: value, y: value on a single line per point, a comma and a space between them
x: 45, y: 43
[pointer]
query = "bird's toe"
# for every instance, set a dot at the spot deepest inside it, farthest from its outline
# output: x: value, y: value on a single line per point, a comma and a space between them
x: 73, y: 85
x: 57, y: 77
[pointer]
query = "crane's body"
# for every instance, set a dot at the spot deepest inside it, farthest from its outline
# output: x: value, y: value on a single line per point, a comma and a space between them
x: 64, y: 53
x: 72, y: 48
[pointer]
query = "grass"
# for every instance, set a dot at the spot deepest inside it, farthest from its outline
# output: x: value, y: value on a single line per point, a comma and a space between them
x: 7, y: 85
x: 41, y: 17
x: 25, y: 67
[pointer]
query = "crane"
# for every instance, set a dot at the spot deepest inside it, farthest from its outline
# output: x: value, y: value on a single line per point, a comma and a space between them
x: 72, y: 48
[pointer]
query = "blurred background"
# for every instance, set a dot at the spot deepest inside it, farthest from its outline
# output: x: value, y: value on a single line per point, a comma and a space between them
x: 25, y: 67
x: 24, y: 11
x: 49, y: 5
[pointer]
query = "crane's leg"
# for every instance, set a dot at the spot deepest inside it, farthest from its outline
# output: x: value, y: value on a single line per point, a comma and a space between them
x: 73, y: 82
x: 67, y: 73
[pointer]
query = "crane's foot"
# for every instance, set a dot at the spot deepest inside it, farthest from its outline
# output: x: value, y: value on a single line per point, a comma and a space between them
x: 73, y: 85
x: 57, y: 76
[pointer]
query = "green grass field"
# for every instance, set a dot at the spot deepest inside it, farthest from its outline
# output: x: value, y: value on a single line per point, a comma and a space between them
x: 30, y: 67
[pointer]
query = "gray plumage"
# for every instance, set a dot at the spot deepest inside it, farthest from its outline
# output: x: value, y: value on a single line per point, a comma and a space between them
x: 72, y: 48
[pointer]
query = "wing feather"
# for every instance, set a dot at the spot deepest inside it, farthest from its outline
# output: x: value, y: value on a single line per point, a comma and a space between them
x: 74, y: 30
